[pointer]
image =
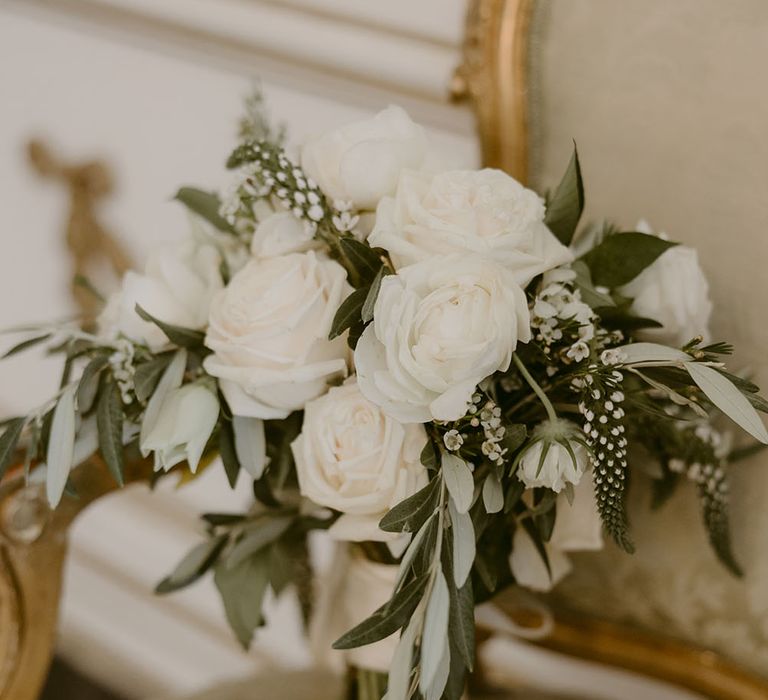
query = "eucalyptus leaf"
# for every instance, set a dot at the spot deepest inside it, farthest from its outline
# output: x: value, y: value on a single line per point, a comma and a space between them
x: 256, y: 538
x: 373, y: 293
x: 206, y: 205
x: 463, y: 544
x: 589, y: 294
x: 409, y: 515
x: 636, y: 353
x: 195, y: 563
x: 26, y: 345
x: 227, y: 452
x: 623, y: 256
x: 183, y: 337
x: 89, y: 383
x: 171, y: 380
x: 148, y: 374
x: 399, y: 679
x: 723, y: 394
x: 8, y: 441
x: 459, y: 481
x: 413, y: 549
x: 362, y: 261
x: 436, y: 688
x: 435, y: 634
x: 428, y: 455
x: 493, y: 494
x: 250, y: 444
x: 242, y: 590
x: 61, y: 446
x: 566, y: 204
x: 109, y: 421
x: 349, y: 313
x: 387, y: 619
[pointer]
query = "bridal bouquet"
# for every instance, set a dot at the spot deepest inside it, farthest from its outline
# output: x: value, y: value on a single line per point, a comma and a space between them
x: 441, y: 369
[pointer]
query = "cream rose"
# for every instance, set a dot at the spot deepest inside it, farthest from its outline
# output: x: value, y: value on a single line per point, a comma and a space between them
x: 177, y: 286
x: 355, y: 459
x: 483, y: 211
x: 673, y: 291
x: 439, y: 328
x: 360, y: 162
x: 269, y: 334
x: 577, y: 528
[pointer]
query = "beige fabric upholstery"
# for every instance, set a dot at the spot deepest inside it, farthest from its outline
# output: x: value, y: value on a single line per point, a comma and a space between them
x: 668, y: 105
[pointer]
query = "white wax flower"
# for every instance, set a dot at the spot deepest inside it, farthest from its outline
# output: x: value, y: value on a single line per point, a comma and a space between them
x: 268, y: 330
x: 482, y: 211
x: 186, y: 420
x: 577, y: 528
x: 360, y: 162
x: 177, y: 286
x: 673, y: 291
x: 355, y: 459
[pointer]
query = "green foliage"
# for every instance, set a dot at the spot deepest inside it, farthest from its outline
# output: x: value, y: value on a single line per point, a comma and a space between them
x: 349, y: 313
x: 409, y: 515
x: 567, y: 203
x: 194, y: 564
x: 26, y: 345
x: 8, y: 442
x: 148, y: 375
x: 89, y: 382
x: 623, y: 256
x: 227, y: 451
x: 361, y: 261
x: 109, y: 420
x: 206, y: 205
x: 183, y: 337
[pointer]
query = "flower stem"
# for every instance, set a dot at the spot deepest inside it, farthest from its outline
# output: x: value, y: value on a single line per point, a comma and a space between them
x: 536, y: 388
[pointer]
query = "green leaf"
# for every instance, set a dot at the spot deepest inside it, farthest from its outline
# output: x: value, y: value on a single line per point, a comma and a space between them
x: 206, y: 205
x: 493, y: 494
x: 428, y: 456
x: 652, y: 352
x: 723, y: 394
x: 538, y: 543
x: 461, y: 626
x: 435, y: 633
x: 361, y: 261
x: 183, y: 337
x: 399, y: 679
x: 589, y: 295
x: 514, y: 437
x: 623, y: 256
x: 459, y: 481
x: 567, y: 203
x: 171, y: 380
x: 413, y: 549
x: 387, y: 619
x: 242, y: 590
x: 409, y: 515
x: 258, y: 537
x: 61, y: 446
x: 228, y: 453
x: 348, y: 314
x: 148, y: 374
x: 8, y: 441
x: 26, y: 344
x: 89, y: 383
x: 373, y: 292
x: 463, y: 544
x: 250, y: 444
x: 109, y: 420
x: 196, y: 562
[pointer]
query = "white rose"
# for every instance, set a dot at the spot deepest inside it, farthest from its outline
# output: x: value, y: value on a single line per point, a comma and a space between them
x: 352, y: 589
x: 186, y: 420
x: 439, y: 328
x: 557, y: 468
x: 176, y: 287
x: 353, y: 458
x: 577, y: 528
x: 268, y: 330
x: 483, y: 211
x: 673, y: 291
x: 360, y: 162
x: 280, y: 233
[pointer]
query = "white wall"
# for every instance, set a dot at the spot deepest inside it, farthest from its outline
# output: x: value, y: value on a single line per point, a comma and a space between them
x: 155, y: 88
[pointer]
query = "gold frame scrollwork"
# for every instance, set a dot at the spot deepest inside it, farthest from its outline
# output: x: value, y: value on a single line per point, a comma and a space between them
x: 495, y: 77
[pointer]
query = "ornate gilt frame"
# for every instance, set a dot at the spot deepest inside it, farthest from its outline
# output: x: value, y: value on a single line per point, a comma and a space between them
x: 495, y: 77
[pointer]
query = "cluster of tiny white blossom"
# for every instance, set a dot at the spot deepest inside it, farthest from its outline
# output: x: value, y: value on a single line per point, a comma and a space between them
x: 344, y: 217
x: 121, y: 362
x: 708, y: 472
x: 600, y: 406
x: 489, y: 419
